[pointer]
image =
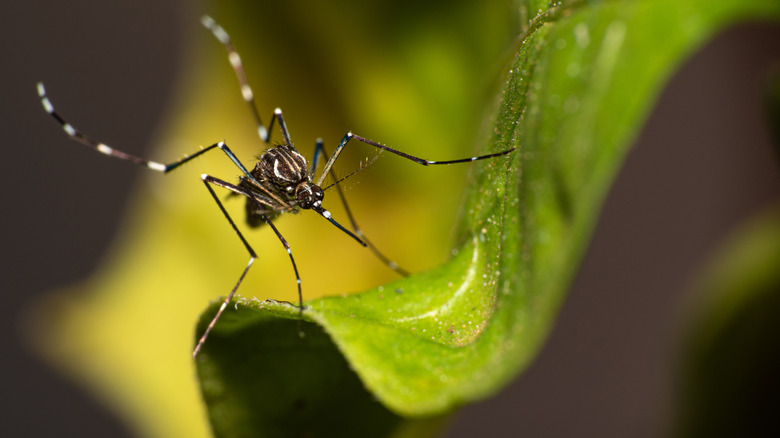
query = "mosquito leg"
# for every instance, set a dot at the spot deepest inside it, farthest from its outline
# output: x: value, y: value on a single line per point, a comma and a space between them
x: 259, y: 200
x: 76, y: 135
x: 98, y: 146
x: 246, y: 89
x: 349, y: 136
x: 282, y: 126
x: 319, y: 149
x: 292, y: 260
x: 208, y: 180
x: 238, y: 68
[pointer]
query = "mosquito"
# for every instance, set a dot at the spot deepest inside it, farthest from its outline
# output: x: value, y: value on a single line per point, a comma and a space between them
x: 281, y: 181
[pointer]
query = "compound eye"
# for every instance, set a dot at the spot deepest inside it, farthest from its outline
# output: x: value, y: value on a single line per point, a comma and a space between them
x: 309, y: 196
x: 318, y: 194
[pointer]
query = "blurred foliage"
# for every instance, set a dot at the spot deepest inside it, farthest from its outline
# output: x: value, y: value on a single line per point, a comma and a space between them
x: 729, y: 385
x: 572, y: 91
x: 127, y: 332
x: 772, y: 104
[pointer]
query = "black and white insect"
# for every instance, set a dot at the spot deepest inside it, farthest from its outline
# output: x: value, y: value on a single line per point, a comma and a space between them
x: 281, y: 181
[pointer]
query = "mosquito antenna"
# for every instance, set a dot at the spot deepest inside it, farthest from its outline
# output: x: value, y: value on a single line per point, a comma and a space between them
x: 362, y: 165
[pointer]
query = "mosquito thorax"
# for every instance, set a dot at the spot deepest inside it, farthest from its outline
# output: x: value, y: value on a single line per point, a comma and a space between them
x: 284, y: 167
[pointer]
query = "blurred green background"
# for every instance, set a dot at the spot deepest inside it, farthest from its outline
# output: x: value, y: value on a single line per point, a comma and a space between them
x: 148, y: 79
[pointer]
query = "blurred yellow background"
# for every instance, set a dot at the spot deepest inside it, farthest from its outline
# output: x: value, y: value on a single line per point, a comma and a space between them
x: 416, y: 77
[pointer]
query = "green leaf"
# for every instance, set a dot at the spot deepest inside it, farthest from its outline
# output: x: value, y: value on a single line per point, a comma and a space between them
x: 580, y: 84
x: 580, y: 80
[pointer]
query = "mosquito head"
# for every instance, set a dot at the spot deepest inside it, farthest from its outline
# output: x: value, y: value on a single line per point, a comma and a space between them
x: 309, y: 195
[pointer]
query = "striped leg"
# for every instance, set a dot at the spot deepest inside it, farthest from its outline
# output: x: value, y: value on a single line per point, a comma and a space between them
x: 76, y: 135
x: 246, y: 90
x: 349, y: 136
x: 238, y: 68
x: 260, y: 201
x: 98, y: 146
x: 320, y: 150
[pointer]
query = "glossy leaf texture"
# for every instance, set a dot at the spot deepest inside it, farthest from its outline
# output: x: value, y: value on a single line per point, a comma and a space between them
x: 580, y: 83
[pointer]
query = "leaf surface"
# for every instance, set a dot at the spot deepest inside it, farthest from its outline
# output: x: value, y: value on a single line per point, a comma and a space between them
x: 582, y: 80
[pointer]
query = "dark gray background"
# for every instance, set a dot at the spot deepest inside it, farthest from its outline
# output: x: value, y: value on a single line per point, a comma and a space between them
x: 702, y: 164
